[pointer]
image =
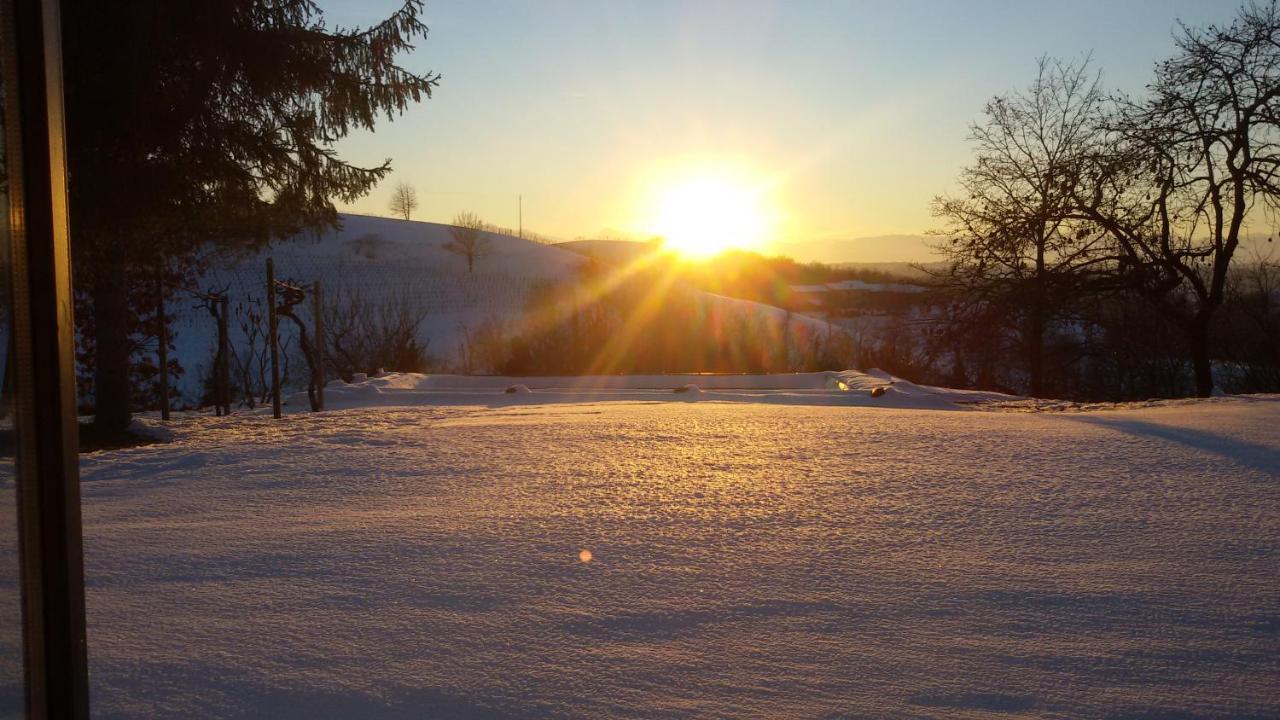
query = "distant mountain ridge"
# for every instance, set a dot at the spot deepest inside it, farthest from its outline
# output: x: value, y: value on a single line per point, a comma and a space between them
x: 875, y: 249
x: 892, y: 250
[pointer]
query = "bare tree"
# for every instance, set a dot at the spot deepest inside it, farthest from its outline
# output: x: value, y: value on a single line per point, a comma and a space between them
x: 368, y: 245
x: 291, y: 294
x: 364, y: 334
x: 1251, y: 329
x: 250, y: 361
x: 404, y: 200
x: 1015, y: 247
x: 469, y: 238
x: 1186, y: 167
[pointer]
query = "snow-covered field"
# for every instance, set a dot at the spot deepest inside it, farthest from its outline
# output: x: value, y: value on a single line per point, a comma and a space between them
x: 747, y: 559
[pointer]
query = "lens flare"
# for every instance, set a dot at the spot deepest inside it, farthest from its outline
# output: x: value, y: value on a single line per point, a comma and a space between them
x: 705, y: 215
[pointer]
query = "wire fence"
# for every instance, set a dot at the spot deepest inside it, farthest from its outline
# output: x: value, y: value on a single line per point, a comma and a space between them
x: 443, y: 302
x: 433, y: 290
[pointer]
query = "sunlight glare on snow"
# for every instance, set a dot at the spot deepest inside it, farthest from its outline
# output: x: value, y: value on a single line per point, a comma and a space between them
x: 777, y: 560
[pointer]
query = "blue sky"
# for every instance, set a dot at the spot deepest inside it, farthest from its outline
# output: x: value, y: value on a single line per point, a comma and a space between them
x: 854, y: 113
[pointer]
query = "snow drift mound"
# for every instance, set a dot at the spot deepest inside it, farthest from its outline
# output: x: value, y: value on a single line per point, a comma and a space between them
x: 849, y: 387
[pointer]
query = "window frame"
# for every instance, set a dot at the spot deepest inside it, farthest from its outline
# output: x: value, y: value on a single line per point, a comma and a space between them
x: 47, y: 472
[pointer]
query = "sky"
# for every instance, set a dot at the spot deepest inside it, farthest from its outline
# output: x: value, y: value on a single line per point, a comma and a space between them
x: 849, y: 116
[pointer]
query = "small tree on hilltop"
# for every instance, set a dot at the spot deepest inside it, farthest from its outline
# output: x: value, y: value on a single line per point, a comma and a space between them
x: 469, y: 240
x: 404, y: 200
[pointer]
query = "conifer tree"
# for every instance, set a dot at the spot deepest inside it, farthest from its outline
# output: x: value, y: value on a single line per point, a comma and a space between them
x: 211, y: 124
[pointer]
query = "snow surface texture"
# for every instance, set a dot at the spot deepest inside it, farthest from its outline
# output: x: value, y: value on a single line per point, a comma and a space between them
x: 746, y: 559
x: 397, y: 261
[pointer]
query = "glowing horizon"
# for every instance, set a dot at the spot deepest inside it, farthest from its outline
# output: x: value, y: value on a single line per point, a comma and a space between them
x: 701, y: 211
x: 848, y: 127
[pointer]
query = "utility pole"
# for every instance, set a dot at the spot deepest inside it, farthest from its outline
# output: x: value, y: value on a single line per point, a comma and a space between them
x: 521, y: 201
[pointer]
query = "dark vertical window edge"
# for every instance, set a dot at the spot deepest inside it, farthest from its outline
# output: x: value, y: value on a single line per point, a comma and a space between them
x: 48, y: 490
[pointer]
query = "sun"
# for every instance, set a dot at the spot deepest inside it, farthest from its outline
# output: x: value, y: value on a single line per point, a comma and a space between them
x: 705, y: 215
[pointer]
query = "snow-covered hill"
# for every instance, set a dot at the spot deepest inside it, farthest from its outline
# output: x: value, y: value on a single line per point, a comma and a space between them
x: 613, y: 251
x: 385, y: 259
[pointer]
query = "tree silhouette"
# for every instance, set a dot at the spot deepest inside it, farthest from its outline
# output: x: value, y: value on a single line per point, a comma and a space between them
x: 404, y: 200
x: 219, y: 134
x: 469, y: 239
x: 1186, y: 166
x: 1015, y: 247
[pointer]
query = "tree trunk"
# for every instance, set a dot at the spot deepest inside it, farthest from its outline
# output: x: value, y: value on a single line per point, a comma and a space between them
x: 309, y: 353
x: 959, y: 375
x: 162, y: 347
x: 112, y: 392
x: 1036, y: 323
x: 1035, y: 351
x: 1198, y: 342
x: 221, y: 359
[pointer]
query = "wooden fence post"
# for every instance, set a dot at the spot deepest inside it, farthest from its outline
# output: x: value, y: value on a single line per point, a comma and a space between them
x: 317, y: 312
x: 224, y: 350
x: 273, y: 333
x: 162, y: 342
